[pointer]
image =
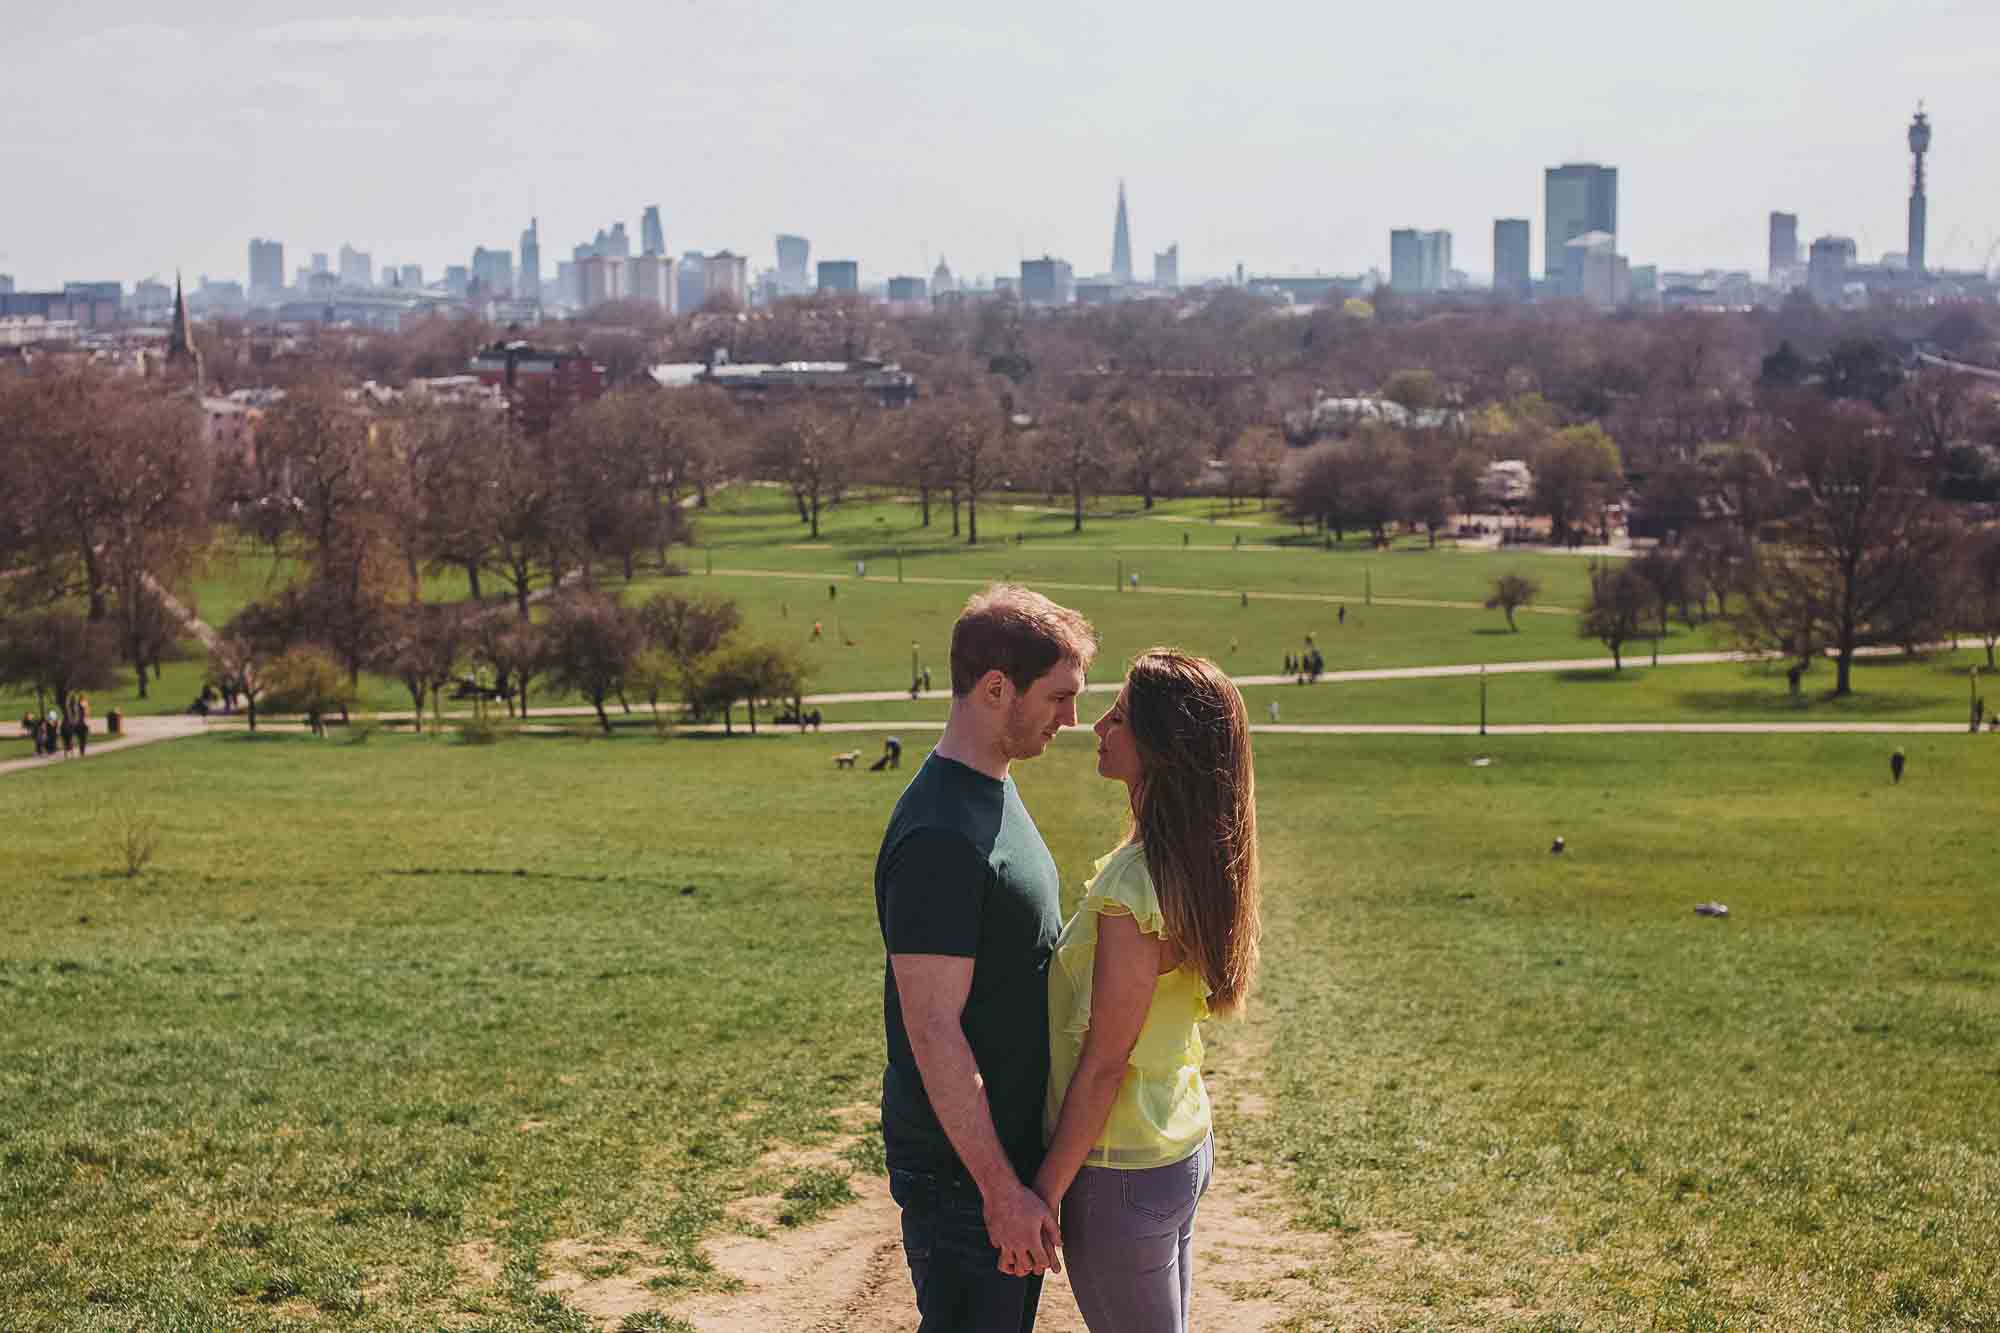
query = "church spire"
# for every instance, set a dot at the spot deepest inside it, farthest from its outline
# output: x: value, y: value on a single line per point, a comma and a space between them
x: 181, y: 349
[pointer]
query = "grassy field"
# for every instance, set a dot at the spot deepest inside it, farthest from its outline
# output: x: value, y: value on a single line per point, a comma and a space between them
x: 375, y: 1003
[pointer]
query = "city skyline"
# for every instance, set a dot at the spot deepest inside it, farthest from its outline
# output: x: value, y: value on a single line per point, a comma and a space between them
x: 407, y: 137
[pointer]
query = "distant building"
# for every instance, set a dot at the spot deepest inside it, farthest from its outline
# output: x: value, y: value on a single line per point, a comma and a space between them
x: 885, y: 382
x: 839, y: 275
x: 1593, y: 270
x: 457, y: 280
x: 540, y: 384
x: 652, y: 237
x: 1513, y: 259
x: 357, y: 267
x: 691, y: 282
x: 529, y: 288
x: 1578, y: 197
x: 1826, y: 268
x: 568, y: 291
x: 1920, y: 143
x: 942, y: 281
x: 1047, y: 281
x: 612, y: 244
x: 794, y: 253
x: 1419, y: 261
x: 908, y: 291
x: 267, y: 270
x: 603, y: 279
x: 493, y: 270
x: 1784, y: 248
x: 652, y: 281
x: 1167, y: 268
x: 1121, y: 243
x: 152, y: 300
x: 728, y: 278
x: 6, y: 284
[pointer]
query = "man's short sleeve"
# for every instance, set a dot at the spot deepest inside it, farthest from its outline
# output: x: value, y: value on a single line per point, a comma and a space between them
x: 932, y: 890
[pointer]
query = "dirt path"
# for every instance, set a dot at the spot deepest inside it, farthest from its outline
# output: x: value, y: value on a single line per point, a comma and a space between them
x: 847, y: 1273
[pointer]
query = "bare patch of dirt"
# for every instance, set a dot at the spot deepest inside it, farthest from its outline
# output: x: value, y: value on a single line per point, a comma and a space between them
x: 478, y: 1260
x: 604, y: 1280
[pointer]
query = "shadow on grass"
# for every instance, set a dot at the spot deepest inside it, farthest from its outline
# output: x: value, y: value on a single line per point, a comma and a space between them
x: 1824, y: 702
x: 1492, y: 632
x: 1601, y: 675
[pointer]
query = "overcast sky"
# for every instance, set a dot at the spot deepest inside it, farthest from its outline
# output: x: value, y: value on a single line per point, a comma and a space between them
x: 1289, y: 136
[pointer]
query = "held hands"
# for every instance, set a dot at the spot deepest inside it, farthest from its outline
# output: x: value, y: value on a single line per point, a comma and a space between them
x: 1024, y: 1231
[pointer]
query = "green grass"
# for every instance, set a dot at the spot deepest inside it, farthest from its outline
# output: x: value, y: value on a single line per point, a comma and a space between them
x: 376, y: 1002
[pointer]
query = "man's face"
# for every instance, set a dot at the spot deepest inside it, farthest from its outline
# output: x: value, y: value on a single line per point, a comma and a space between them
x: 1049, y: 705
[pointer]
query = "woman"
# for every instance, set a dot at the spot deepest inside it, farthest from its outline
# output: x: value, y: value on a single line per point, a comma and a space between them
x: 1165, y: 937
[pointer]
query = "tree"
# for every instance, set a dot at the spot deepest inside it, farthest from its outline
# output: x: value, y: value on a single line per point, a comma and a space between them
x: 1320, y: 492
x: 686, y: 628
x: 1511, y: 592
x: 1864, y: 534
x: 1620, y: 601
x: 745, y: 673
x: 591, y: 643
x: 1720, y: 559
x: 1666, y: 577
x: 1980, y: 586
x: 424, y: 646
x: 1074, y: 451
x: 812, y: 449
x: 1413, y: 390
x: 238, y: 664
x: 1160, y: 438
x: 1260, y: 455
x: 307, y: 680
x: 57, y: 653
x: 149, y: 630
x: 515, y: 650
x: 1576, y: 474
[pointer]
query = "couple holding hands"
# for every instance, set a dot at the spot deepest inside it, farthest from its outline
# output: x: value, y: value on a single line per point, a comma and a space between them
x: 1043, y: 1098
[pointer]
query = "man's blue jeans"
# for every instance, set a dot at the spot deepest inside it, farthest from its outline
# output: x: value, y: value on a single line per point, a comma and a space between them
x: 956, y: 1270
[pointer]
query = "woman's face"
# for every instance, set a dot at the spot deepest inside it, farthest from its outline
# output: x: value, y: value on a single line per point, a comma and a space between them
x: 1117, y: 752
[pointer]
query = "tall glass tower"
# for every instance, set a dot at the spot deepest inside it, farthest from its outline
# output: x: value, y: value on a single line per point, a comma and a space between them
x: 1121, y: 243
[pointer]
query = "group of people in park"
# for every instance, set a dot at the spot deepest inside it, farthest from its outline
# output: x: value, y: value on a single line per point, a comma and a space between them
x: 1308, y: 664
x: 64, y: 730
x: 1043, y: 1104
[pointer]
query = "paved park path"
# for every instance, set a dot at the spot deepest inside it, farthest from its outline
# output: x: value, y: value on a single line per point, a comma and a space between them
x: 137, y: 731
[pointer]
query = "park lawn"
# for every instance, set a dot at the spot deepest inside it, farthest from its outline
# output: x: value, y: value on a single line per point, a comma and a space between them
x: 1894, y: 689
x: 869, y: 625
x: 1540, y: 1088
x: 373, y: 1002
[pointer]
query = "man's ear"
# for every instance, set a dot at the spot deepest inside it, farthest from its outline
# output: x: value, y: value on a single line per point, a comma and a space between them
x: 994, y: 687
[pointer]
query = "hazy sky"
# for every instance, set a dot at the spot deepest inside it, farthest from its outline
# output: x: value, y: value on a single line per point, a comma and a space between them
x: 137, y: 138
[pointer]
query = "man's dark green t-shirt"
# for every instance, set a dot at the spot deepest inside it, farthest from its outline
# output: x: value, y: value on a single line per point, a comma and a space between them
x: 963, y: 871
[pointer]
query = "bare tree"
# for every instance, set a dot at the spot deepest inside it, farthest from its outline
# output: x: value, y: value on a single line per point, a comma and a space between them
x: 1073, y: 448
x: 811, y: 448
x: 1620, y: 602
x: 1511, y: 592
x: 1161, y: 440
x: 1864, y: 535
x: 592, y: 642
x: 1980, y: 585
x: 58, y: 654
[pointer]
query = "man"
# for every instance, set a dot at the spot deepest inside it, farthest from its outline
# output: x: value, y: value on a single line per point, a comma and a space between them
x: 969, y: 902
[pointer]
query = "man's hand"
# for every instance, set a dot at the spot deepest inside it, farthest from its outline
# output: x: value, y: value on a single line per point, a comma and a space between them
x: 1023, y: 1229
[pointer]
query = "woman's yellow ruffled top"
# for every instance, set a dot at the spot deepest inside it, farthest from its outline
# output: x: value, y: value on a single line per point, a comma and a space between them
x: 1162, y: 1112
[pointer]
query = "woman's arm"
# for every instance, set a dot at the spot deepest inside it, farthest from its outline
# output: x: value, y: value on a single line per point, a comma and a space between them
x: 1121, y: 993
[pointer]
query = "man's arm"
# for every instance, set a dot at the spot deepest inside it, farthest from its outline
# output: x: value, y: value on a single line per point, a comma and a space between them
x: 933, y: 989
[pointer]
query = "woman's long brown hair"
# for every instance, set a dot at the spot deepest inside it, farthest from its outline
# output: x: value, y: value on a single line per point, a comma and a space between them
x: 1195, y: 812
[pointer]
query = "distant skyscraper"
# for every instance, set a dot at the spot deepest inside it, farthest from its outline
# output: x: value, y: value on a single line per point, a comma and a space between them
x: 794, y: 252
x: 652, y: 281
x: 494, y: 271
x: 413, y: 276
x: 357, y: 267
x: 1121, y: 242
x: 1593, y: 271
x: 1784, y: 255
x: 1419, y: 261
x: 1578, y: 197
x: 691, y: 282
x: 1513, y: 258
x: 267, y: 269
x: 1920, y: 143
x: 6, y: 284
x: 1048, y: 281
x: 1167, y: 268
x: 603, y: 278
x: 530, y: 286
x: 615, y: 243
x: 907, y: 291
x: 652, y: 238
x: 728, y: 279
x: 942, y: 280
x: 320, y: 264
x: 839, y: 275
x: 457, y: 279
x: 1826, y: 271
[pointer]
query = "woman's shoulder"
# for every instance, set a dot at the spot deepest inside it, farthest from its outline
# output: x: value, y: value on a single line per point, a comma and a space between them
x: 1123, y: 882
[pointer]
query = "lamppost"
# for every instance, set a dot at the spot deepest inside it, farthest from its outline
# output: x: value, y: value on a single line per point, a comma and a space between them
x: 1482, y: 698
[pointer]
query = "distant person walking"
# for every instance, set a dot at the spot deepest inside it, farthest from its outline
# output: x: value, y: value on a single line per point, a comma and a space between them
x: 1896, y: 762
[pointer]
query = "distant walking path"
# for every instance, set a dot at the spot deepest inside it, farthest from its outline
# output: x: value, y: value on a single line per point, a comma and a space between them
x: 1439, y: 729
x: 1324, y: 598
x: 137, y: 731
